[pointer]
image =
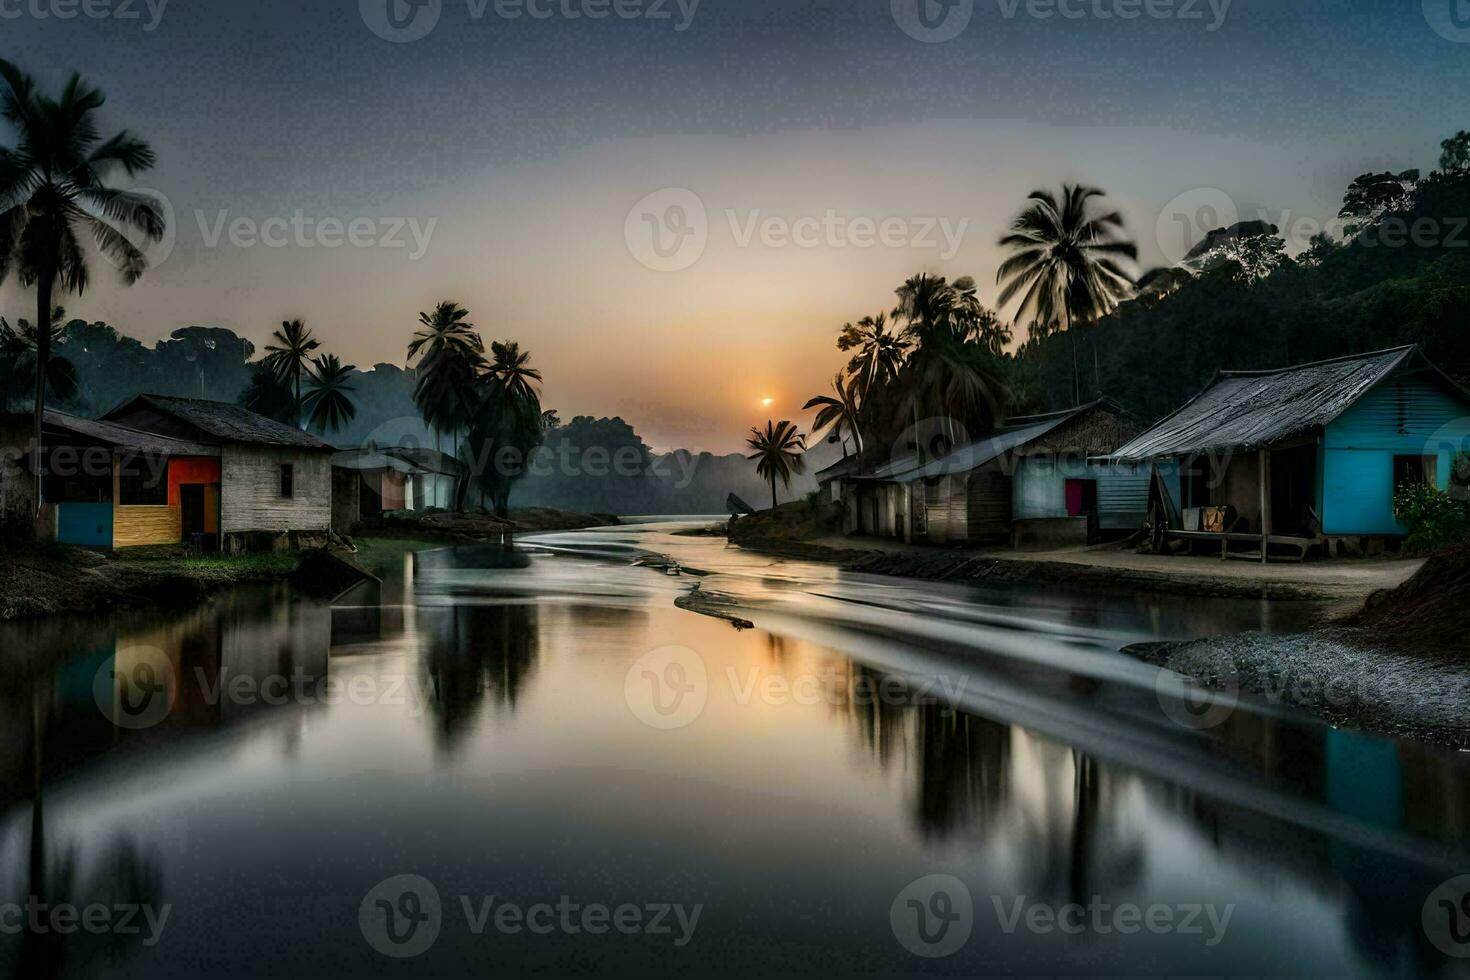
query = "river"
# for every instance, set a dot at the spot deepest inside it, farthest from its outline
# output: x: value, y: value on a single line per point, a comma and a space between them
x: 506, y: 761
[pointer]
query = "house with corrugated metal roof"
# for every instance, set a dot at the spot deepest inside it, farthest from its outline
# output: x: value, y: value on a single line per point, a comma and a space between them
x: 274, y: 481
x: 107, y: 485
x: 1266, y: 464
x: 1034, y: 480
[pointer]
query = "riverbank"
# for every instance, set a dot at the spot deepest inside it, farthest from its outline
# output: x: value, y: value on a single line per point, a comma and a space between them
x: 793, y: 531
x: 1398, y: 665
x: 44, y: 578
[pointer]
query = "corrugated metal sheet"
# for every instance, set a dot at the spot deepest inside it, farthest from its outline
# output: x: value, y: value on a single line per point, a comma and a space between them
x: 1122, y: 494
x: 1250, y: 409
x: 121, y: 437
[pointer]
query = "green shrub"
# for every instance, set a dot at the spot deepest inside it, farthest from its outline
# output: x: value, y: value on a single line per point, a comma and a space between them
x: 1434, y: 518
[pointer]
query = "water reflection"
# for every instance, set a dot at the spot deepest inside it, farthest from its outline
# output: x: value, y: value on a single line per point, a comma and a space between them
x: 795, y: 820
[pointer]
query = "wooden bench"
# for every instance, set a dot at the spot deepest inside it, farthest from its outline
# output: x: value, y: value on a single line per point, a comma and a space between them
x: 1225, y: 537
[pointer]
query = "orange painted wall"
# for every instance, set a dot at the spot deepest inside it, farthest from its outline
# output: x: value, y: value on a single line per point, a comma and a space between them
x: 162, y: 524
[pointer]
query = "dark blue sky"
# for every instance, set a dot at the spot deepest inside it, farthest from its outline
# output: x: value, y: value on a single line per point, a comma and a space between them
x: 529, y: 140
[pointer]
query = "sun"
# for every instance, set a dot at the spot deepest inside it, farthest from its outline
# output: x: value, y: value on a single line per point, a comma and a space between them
x: 767, y: 402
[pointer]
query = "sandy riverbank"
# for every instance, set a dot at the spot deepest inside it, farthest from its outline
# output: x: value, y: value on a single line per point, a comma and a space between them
x: 1345, y: 583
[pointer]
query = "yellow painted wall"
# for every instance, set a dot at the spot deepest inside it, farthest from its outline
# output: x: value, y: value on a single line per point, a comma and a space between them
x: 139, y: 525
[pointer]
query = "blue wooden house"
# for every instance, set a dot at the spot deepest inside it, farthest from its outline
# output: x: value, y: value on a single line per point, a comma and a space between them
x: 1304, y: 456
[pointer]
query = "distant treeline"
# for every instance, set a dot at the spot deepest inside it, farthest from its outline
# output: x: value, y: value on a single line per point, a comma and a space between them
x: 586, y: 464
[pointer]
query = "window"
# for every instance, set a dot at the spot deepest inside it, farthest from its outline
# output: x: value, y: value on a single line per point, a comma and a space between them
x: 1413, y: 470
x: 142, y: 483
x: 288, y: 480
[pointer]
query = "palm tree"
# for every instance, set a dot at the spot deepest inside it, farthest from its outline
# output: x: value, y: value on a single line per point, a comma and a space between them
x: 328, y: 400
x: 290, y: 357
x: 446, y: 328
x: 879, y: 353
x: 1065, y: 262
x: 452, y: 356
x: 54, y: 195
x: 950, y: 373
x: 268, y: 395
x: 510, y: 368
x: 777, y: 453
x: 839, y: 412
x: 18, y: 347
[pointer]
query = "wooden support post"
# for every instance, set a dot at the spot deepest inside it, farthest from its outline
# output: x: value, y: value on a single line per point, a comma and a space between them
x: 1265, y: 468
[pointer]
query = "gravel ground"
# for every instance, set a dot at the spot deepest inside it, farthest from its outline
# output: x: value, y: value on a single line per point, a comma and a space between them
x: 1336, y: 674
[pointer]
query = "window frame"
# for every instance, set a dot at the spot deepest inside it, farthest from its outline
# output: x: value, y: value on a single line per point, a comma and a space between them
x: 1428, y: 472
x: 288, y: 481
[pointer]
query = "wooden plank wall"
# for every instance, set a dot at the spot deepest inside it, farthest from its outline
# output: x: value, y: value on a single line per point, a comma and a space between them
x: 252, y: 501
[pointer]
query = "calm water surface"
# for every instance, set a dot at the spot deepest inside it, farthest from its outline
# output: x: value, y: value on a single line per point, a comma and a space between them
x: 545, y: 725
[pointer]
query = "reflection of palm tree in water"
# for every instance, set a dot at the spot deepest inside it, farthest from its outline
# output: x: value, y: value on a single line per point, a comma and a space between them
x: 124, y: 876
x: 474, y: 650
x: 964, y: 764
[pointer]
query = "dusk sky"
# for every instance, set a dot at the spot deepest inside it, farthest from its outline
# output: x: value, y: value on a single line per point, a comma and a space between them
x: 519, y: 151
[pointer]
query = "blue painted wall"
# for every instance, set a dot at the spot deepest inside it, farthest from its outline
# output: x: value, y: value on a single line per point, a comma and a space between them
x: 84, y: 524
x: 1039, y: 490
x: 1405, y: 416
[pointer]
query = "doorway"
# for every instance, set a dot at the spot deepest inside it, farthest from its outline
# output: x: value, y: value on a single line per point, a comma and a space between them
x: 191, y: 507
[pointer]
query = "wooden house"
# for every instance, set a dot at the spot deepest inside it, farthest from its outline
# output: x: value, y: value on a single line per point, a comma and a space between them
x: 274, y: 480
x: 1305, y: 456
x: 1031, y: 480
x: 113, y: 486
x: 368, y: 482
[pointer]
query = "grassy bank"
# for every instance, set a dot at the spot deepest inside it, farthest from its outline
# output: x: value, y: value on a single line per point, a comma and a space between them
x: 47, y: 579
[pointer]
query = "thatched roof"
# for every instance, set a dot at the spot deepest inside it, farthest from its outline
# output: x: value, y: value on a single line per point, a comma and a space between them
x: 224, y: 421
x: 1254, y: 409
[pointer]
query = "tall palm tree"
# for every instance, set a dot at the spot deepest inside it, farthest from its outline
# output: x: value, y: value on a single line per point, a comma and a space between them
x: 446, y: 328
x: 879, y: 353
x: 329, y: 401
x: 290, y: 356
x: 510, y: 368
x: 839, y: 412
x: 778, y: 453
x: 451, y: 357
x: 54, y: 195
x: 1065, y: 262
